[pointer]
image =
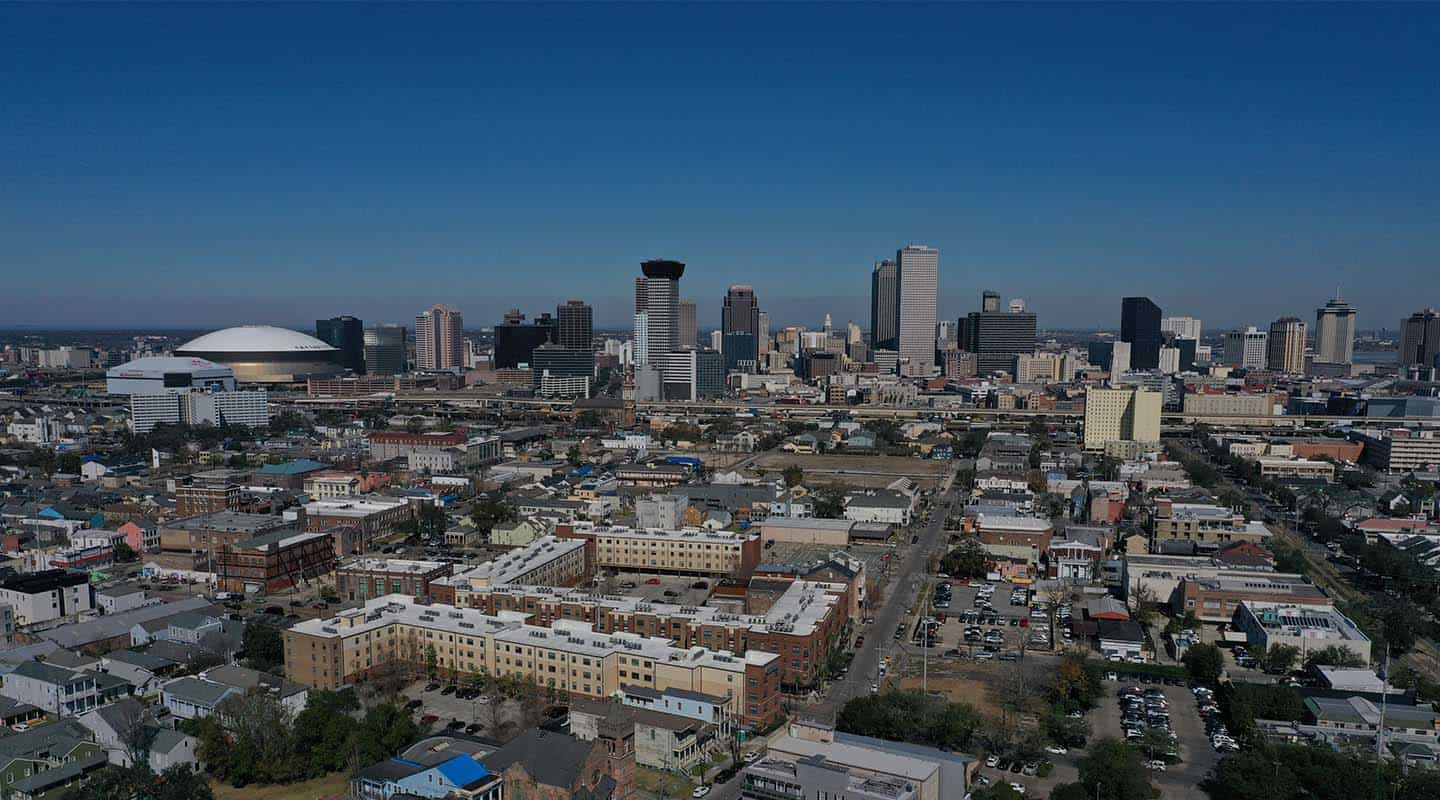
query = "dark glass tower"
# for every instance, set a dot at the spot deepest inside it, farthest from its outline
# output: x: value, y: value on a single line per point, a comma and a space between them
x: 1140, y: 326
x: 346, y: 334
x: 885, y: 306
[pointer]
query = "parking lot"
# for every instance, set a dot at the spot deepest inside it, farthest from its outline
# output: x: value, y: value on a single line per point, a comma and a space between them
x: 990, y: 620
x: 1197, y: 757
x: 478, y: 714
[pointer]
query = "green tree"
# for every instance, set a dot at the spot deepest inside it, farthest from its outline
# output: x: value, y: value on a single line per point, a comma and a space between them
x: 1333, y: 656
x: 140, y: 783
x: 488, y: 512
x: 1204, y: 663
x: 264, y: 647
x: 432, y: 661
x: 999, y: 790
x: 1280, y: 658
x: 1111, y: 770
x: 829, y: 503
x: 793, y: 475
x: 969, y: 560
x: 124, y: 553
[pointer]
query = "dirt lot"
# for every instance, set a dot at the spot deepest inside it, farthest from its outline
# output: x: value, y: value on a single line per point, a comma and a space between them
x: 969, y: 684
x: 857, y: 470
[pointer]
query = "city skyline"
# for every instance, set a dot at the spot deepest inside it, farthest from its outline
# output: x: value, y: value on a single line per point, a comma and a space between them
x: 156, y: 164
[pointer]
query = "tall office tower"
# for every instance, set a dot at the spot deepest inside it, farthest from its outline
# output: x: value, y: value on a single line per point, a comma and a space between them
x: 919, y: 268
x: 574, y: 329
x: 385, y: 349
x: 438, y: 340
x: 1181, y: 327
x: 1140, y: 326
x: 764, y: 346
x: 1247, y: 348
x: 662, y: 306
x: 1120, y: 362
x: 996, y: 337
x: 1285, y: 351
x: 740, y: 328
x: 1420, y: 339
x: 1169, y: 360
x: 641, y: 294
x: 826, y: 326
x: 346, y: 334
x: 640, y: 347
x: 1335, y: 332
x: 686, y: 328
x: 946, y: 334
x: 884, y: 305
x: 717, y: 340
x: 515, y: 341
x: 853, y: 334
x: 1121, y: 415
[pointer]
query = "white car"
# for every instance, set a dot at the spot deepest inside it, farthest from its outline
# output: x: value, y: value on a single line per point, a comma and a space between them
x: 1018, y: 787
x: 1056, y: 750
x: 1158, y: 766
x: 750, y: 757
x: 874, y: 688
x: 992, y: 762
x: 700, y: 791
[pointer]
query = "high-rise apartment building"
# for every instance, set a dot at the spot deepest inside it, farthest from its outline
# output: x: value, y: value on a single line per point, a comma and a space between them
x: 640, y: 339
x: 996, y: 337
x: 764, y: 335
x: 1420, y: 339
x: 385, y: 349
x: 1181, y: 327
x: 439, y: 340
x: 740, y: 328
x: 1140, y: 326
x: 347, y: 335
x: 919, y: 268
x: 1335, y: 332
x: 1121, y: 415
x: 884, y: 305
x: 1285, y: 350
x: 1248, y: 348
x: 574, y: 325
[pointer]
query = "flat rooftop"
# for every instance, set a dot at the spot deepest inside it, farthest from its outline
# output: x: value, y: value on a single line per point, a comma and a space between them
x: 393, y: 565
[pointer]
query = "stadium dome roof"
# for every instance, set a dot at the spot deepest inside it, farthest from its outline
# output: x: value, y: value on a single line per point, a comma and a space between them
x: 255, y: 339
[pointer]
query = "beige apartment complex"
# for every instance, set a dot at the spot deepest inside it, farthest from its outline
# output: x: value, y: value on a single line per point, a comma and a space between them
x: 1121, y: 415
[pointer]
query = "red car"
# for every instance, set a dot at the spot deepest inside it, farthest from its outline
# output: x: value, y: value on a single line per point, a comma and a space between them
x: 429, y: 719
x: 653, y: 582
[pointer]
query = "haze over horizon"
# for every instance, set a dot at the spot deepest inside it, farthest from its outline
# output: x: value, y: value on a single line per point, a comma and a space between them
x: 203, y: 166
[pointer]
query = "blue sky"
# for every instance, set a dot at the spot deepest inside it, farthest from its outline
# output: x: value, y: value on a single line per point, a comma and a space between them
x: 201, y: 165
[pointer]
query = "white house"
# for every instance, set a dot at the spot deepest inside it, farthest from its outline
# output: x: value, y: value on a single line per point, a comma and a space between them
x: 883, y: 505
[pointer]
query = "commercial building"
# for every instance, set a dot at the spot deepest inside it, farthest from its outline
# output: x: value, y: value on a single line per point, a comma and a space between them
x: 1181, y: 327
x: 439, y: 338
x: 661, y: 305
x: 775, y: 778
x: 265, y: 354
x: 1216, y: 599
x: 250, y: 409
x: 1248, y: 349
x: 1335, y: 332
x: 516, y: 340
x: 807, y: 530
x: 1229, y: 405
x: 385, y: 445
x: 208, y: 533
x: 1037, y: 368
x: 1121, y: 415
x: 347, y: 335
x: 365, y: 578
x: 1305, y: 626
x: 916, y: 771
x: 884, y: 306
x: 1420, y: 339
x: 1285, y: 348
x: 547, y: 561
x: 274, y: 562
x: 574, y: 326
x: 1398, y: 449
x: 385, y: 350
x: 1208, y: 526
x: 677, y: 552
x: 168, y: 375
x: 199, y: 499
x: 569, y: 656
x: 997, y: 338
x: 1140, y: 328
x: 1281, y: 467
x: 47, y: 595
x: 686, y: 330
x: 373, y: 517
x: 740, y: 329
x: 919, y: 272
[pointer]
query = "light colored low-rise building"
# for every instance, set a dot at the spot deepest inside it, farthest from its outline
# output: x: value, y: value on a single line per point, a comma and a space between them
x: 1305, y: 626
x: 684, y: 552
x: 1205, y: 524
x: 807, y: 530
x: 1279, y: 467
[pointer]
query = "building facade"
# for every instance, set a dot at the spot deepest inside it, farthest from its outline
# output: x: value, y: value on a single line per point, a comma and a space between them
x: 439, y: 339
x: 919, y: 273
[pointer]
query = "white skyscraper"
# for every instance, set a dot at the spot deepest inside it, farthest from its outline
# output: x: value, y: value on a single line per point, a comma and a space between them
x: 1247, y: 348
x: 640, y: 344
x: 919, y: 268
x: 1335, y: 332
x: 1182, y: 327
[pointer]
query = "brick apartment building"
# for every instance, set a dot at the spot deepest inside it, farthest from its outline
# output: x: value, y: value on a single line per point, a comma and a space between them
x: 192, y: 501
x: 274, y: 562
x: 363, y: 578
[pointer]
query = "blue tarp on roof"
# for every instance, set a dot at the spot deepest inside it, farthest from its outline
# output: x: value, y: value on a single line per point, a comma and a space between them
x: 687, y: 461
x: 585, y: 470
x: 463, y: 771
x: 296, y: 467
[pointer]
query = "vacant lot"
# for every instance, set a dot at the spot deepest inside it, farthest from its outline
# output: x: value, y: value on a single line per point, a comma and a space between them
x: 972, y: 684
x: 335, y: 785
x: 857, y: 470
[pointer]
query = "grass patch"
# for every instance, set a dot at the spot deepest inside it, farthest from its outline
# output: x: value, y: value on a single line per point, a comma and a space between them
x: 334, y: 785
x: 657, y: 783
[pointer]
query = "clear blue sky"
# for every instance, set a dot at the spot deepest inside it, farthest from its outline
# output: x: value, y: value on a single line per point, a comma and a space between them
x: 200, y: 165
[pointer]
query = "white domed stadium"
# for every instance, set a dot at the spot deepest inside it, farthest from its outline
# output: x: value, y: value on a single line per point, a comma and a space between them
x: 266, y: 354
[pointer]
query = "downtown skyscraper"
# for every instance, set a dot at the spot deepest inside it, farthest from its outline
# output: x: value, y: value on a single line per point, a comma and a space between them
x: 919, y: 269
x: 740, y: 328
x: 346, y: 334
x: 1140, y: 328
x: 884, y: 305
x: 439, y: 343
x: 575, y: 325
x: 385, y: 351
x: 1335, y: 332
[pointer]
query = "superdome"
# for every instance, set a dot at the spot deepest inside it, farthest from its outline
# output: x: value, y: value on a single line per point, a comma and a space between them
x: 266, y: 354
